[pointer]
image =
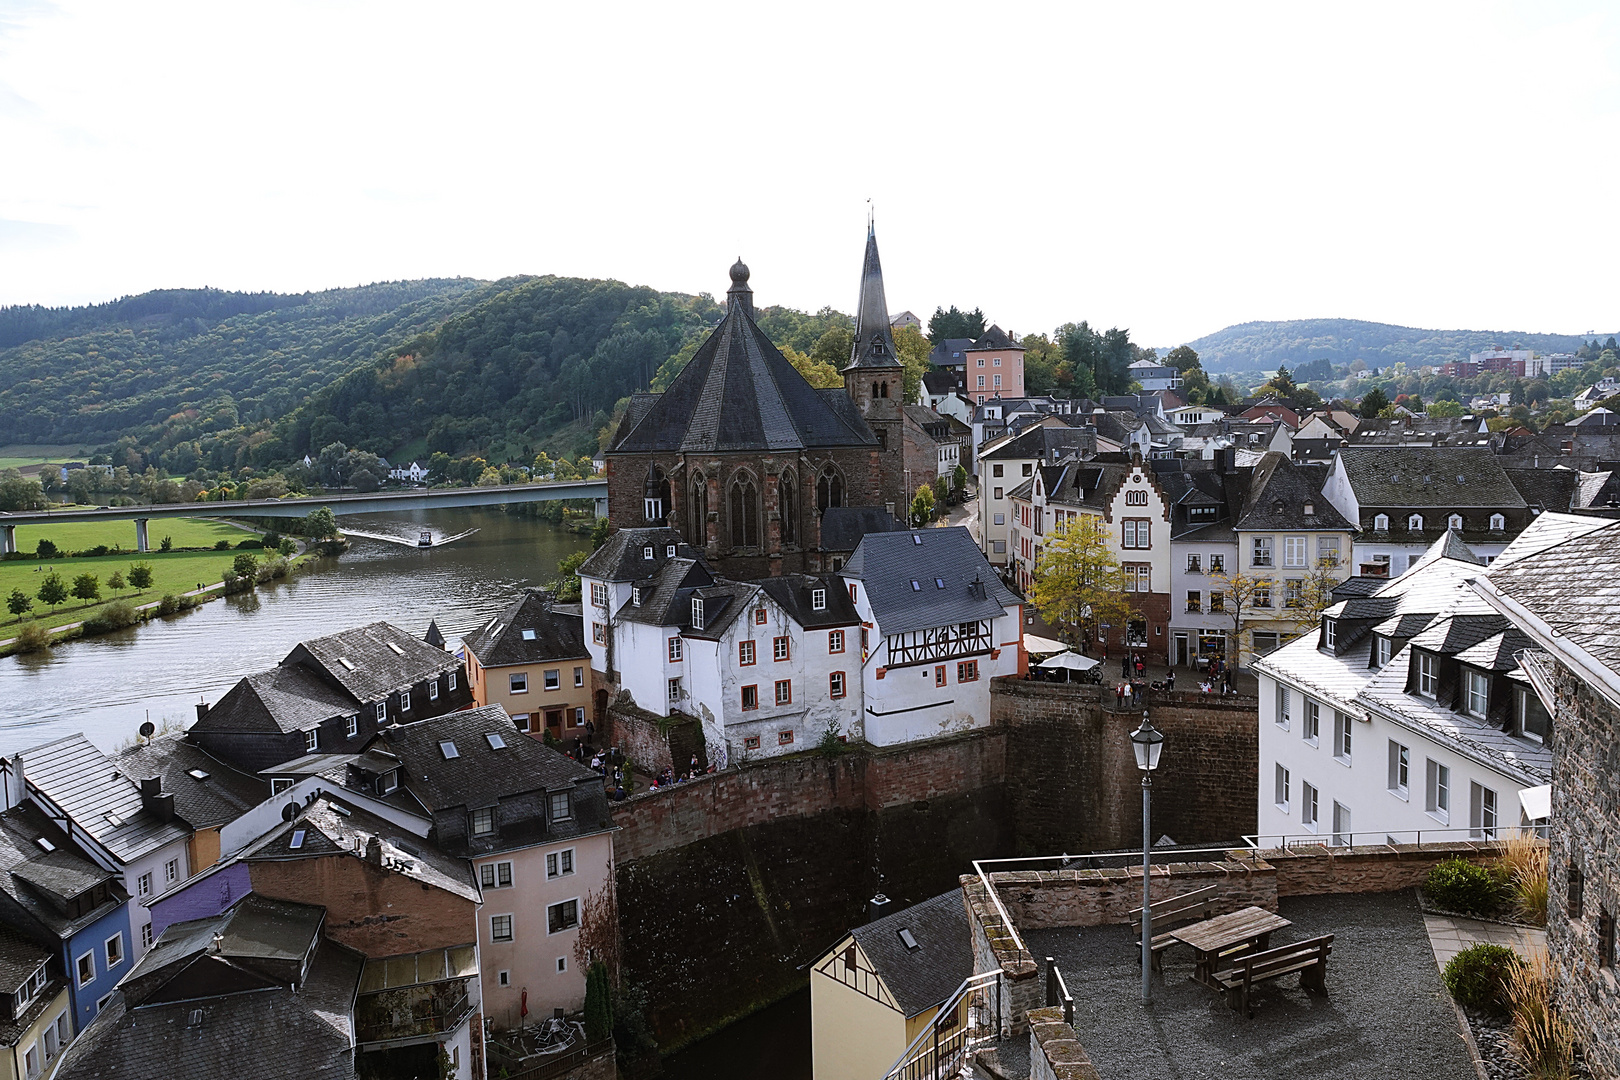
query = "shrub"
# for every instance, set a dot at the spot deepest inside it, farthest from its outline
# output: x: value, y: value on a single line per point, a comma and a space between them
x: 169, y: 604
x: 115, y: 616
x: 47, y: 550
x: 140, y: 576
x: 271, y: 540
x: 1465, y: 887
x: 222, y: 545
x: 1543, y: 1041
x: 249, y: 545
x: 598, y: 1003
x: 166, y: 544
x: 1478, y: 977
x: 32, y: 638
x: 245, y: 565
x: 287, y: 545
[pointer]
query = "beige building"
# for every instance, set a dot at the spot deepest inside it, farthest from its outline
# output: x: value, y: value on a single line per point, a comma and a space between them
x: 531, y: 660
x: 36, y: 1019
x: 874, y: 991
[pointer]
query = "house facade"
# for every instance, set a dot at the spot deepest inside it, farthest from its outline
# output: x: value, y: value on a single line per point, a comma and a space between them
x: 531, y: 660
x: 994, y: 367
x: 1009, y: 464
x: 36, y: 1019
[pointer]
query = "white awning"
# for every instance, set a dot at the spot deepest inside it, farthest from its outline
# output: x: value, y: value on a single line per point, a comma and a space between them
x: 1070, y: 660
x: 1537, y: 802
x: 1042, y: 645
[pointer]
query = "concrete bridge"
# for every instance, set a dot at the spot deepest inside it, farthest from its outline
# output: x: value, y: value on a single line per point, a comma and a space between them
x: 371, y: 502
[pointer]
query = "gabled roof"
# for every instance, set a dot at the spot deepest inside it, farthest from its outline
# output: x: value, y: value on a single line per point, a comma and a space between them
x: 37, y: 879
x: 793, y: 593
x: 948, y: 353
x: 665, y: 597
x: 843, y: 526
x: 887, y: 564
x: 19, y: 959
x: 528, y: 631
x: 384, y: 658
x: 738, y: 393
x: 925, y: 976
x: 1573, y: 588
x: 287, y: 698
x: 624, y: 556
x: 1042, y: 442
x: 220, y: 794
x: 1442, y: 477
x: 1279, y: 491
x: 98, y: 797
x: 995, y: 339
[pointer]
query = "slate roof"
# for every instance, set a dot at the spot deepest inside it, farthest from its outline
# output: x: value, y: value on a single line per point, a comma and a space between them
x: 1046, y: 443
x: 888, y: 563
x: 670, y: 586
x: 1278, y: 493
x: 873, y: 345
x: 1547, y: 530
x: 843, y: 526
x: 738, y: 393
x: 87, y: 786
x: 792, y: 593
x: 378, y: 669
x: 1357, y: 586
x: 1573, y: 588
x: 528, y: 632
x: 622, y: 557
x: 287, y: 698
x: 941, y: 382
x: 222, y: 795
x: 19, y: 959
x: 948, y: 353
x: 1555, y: 489
x: 994, y: 339
x: 34, y: 878
x: 478, y: 775
x: 1444, y: 477
x: 1091, y: 484
x: 926, y: 976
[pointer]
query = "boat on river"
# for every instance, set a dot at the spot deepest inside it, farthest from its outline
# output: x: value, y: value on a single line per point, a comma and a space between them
x: 426, y: 539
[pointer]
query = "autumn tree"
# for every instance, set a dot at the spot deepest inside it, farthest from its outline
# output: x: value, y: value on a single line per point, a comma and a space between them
x: 912, y: 349
x: 1078, y: 582
x: 817, y: 371
x: 1315, y: 595
x: 597, y: 940
x: 1238, y: 593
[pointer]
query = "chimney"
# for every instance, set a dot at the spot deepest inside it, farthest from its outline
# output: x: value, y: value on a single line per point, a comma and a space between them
x: 153, y: 799
x: 877, y: 907
x: 13, y: 789
x: 374, y: 851
x: 202, y: 709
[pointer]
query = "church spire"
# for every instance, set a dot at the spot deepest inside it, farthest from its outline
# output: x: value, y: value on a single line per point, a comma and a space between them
x: 874, y: 342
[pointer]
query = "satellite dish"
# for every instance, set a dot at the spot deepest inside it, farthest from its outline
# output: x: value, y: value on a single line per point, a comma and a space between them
x: 147, y: 729
x: 289, y: 811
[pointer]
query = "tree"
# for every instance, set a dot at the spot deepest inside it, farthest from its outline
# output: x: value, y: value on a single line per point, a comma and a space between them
x: 1183, y: 358
x: 567, y: 585
x: 1446, y: 409
x: 598, y: 1003
x: 942, y: 490
x: 959, y: 478
x: 912, y: 349
x: 116, y: 582
x: 817, y: 372
x: 46, y: 550
x: 321, y: 523
x: 245, y: 565
x: 922, y: 507
x: 1238, y: 591
x: 955, y: 324
x: 17, y: 493
x: 1372, y: 403
x: 287, y: 546
x: 19, y: 603
x: 87, y: 587
x: 1078, y: 582
x: 140, y: 577
x: 53, y: 590
x: 1315, y: 595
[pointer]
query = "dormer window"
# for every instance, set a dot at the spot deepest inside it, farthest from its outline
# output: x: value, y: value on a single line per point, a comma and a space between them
x: 1382, y: 648
x: 1330, y: 632
x: 647, y: 552
x: 818, y: 599
x: 1454, y: 521
x: 1477, y: 696
x: 669, y: 551
x: 1415, y: 523
x: 635, y: 595
x: 1498, y: 522
x: 697, y: 613
x: 1380, y: 523
x: 1428, y: 681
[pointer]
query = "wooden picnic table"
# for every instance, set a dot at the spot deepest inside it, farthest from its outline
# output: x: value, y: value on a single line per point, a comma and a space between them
x: 1227, y: 935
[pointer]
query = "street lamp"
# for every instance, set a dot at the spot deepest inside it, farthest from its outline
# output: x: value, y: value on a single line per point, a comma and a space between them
x: 1147, y: 741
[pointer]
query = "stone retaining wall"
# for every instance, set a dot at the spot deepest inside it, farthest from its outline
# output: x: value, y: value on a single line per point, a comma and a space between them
x: 1055, y: 1052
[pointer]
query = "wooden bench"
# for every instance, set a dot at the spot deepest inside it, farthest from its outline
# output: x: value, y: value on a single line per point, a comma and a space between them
x: 1309, y: 958
x: 1176, y: 911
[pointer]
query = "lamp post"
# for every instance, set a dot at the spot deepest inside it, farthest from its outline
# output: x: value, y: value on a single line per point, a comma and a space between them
x: 1147, y: 741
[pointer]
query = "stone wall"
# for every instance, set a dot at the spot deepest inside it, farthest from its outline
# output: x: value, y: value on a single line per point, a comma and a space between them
x: 369, y: 908
x: 1586, y: 794
x: 653, y: 742
x: 1055, y: 1052
x: 1077, y: 786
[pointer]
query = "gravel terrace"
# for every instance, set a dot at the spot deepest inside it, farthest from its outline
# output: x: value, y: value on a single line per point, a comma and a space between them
x: 1386, y: 1014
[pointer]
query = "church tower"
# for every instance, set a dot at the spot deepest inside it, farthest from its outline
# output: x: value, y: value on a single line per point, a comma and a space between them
x: 876, y: 381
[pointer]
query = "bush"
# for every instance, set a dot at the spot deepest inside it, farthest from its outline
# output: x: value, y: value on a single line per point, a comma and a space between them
x: 245, y: 565
x: 166, y: 544
x: 47, y: 550
x: 115, y: 616
x: 219, y: 545
x: 1465, y: 887
x: 140, y: 576
x: 91, y: 553
x: 598, y: 1003
x: 249, y: 545
x: 169, y: 604
x: 1478, y: 977
x: 32, y: 638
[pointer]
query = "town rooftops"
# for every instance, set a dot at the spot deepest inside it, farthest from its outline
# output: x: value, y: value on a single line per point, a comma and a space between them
x: 926, y: 970
x: 19, y: 959
x: 1571, y: 591
x: 658, y: 600
x: 528, y: 631
x: 948, y: 353
x: 625, y: 556
x: 923, y: 578
x: 994, y: 339
x: 1048, y: 444
x: 207, y: 792
x: 43, y: 877
x: 287, y: 698
x: 1279, y: 494
x: 795, y: 593
x: 100, y: 798
x: 1444, y: 477
x: 843, y: 526
x: 373, y: 661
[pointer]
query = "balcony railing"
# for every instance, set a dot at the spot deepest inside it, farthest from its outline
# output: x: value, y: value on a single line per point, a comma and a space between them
x: 412, y: 1013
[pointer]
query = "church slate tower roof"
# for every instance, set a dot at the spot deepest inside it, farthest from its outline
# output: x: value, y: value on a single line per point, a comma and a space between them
x: 739, y: 393
x: 874, y: 340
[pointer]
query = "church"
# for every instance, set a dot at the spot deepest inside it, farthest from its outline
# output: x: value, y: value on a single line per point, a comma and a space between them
x: 761, y: 471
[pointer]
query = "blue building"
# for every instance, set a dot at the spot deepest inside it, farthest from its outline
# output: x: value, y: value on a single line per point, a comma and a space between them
x: 57, y: 898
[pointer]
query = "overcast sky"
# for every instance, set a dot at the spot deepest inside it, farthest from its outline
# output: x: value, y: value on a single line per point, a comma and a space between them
x: 1168, y: 168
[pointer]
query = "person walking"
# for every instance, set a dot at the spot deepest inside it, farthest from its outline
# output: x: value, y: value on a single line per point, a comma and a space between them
x: 1125, y: 665
x: 1119, y: 696
x: 1170, y: 680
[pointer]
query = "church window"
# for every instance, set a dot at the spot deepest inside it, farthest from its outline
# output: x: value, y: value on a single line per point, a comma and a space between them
x: 744, y: 514
x: 787, y: 493
x: 829, y: 489
x: 696, y: 527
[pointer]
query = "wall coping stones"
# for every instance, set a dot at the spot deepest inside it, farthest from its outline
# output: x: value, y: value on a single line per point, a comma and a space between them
x: 1053, y: 1043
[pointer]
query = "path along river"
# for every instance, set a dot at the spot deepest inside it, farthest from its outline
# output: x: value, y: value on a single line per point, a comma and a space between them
x: 106, y: 686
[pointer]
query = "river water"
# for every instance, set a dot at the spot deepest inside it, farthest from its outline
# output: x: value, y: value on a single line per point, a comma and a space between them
x: 106, y: 686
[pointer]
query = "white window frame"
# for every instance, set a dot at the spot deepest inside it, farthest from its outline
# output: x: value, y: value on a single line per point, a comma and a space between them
x: 78, y: 968
x: 1498, y: 522
x: 560, y: 863
x: 312, y: 740
x: 1309, y: 805
x: 674, y: 649
x: 567, y: 806
x: 1383, y: 648
x: 1400, y: 771
x: 1294, y: 551
x: 382, y: 711
x: 473, y: 818
x: 1455, y: 521
x: 404, y: 701
x: 1343, y: 737
x: 451, y: 682
x: 146, y: 936
x: 562, y: 929
x: 1260, y: 551
x: 492, y: 871
x: 1484, y: 807
x: 1330, y: 633
x: 351, y: 725
x: 1380, y: 523
x: 171, y: 871
x: 674, y: 689
x: 579, y: 675
x: 1472, y: 681
x: 433, y: 690
x: 818, y: 599
x: 1284, y: 700
x: 1327, y: 551
x: 1437, y: 791
x: 143, y: 885
x: 511, y: 929
x: 1414, y: 523
x: 1342, y: 827
x: 1279, y: 787
x: 517, y: 682
x: 1428, y: 674
x: 1311, y: 725
x: 551, y: 679
x: 107, y: 947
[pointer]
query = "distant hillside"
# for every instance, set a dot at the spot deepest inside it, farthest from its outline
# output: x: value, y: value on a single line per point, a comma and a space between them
x: 1257, y: 346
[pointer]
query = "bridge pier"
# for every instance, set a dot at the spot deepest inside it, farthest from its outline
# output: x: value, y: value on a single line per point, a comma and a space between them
x: 8, y: 539
x: 140, y: 535
x: 601, y: 508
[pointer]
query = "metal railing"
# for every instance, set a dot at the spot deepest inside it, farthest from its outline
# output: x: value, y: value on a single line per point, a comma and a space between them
x: 944, y: 1047
x: 1390, y: 837
x: 1057, y: 991
x: 384, y: 1024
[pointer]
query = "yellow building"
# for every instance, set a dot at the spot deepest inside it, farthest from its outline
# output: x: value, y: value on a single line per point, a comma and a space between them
x: 874, y: 991
x: 531, y: 660
x: 36, y: 1019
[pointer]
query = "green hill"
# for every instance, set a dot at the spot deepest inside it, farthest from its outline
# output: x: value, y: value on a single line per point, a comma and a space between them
x: 1262, y: 346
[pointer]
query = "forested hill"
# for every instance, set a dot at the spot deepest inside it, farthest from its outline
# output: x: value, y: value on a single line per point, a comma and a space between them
x: 1262, y: 346
x: 180, y: 362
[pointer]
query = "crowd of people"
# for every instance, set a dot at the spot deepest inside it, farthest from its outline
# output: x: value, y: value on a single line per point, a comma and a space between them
x: 617, y: 772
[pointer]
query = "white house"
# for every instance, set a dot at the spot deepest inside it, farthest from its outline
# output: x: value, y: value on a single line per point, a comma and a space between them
x: 936, y: 625
x: 1154, y: 376
x: 414, y: 473
x: 1407, y: 716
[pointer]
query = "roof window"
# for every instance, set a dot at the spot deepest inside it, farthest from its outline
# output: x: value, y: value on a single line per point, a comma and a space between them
x: 44, y: 844
x: 396, y: 649
x: 114, y: 818
x: 939, y: 583
x: 916, y: 586
x: 495, y: 741
x: 647, y: 552
x: 344, y: 660
x: 448, y: 749
x: 297, y: 840
x: 528, y: 635
x: 916, y: 538
x: 908, y: 941
x: 196, y: 774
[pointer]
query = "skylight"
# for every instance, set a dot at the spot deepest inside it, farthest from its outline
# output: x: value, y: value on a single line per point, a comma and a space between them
x: 916, y: 586
x: 114, y: 818
x: 297, y: 840
x: 495, y: 741
x: 344, y: 660
x: 528, y: 635
x: 341, y: 811
x: 44, y: 843
x: 196, y: 774
x: 915, y: 539
x: 908, y: 941
x: 939, y: 583
x: 448, y: 749
x: 397, y: 650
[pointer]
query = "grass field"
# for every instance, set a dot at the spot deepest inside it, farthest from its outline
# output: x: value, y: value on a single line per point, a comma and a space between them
x: 172, y: 572
x: 16, y: 455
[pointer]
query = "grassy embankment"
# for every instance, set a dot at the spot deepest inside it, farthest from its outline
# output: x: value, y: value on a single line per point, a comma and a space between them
x: 172, y: 572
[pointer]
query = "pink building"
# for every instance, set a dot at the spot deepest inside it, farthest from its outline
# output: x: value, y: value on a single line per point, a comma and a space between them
x: 995, y: 367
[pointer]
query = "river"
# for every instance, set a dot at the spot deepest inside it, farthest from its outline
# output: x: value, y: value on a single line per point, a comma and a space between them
x: 106, y: 686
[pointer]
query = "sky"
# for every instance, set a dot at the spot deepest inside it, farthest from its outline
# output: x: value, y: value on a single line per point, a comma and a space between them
x: 1171, y: 168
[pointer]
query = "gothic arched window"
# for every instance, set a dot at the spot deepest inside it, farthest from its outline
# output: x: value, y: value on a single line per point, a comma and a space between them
x: 744, y: 514
x: 697, y: 524
x: 787, y: 496
x: 829, y: 489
